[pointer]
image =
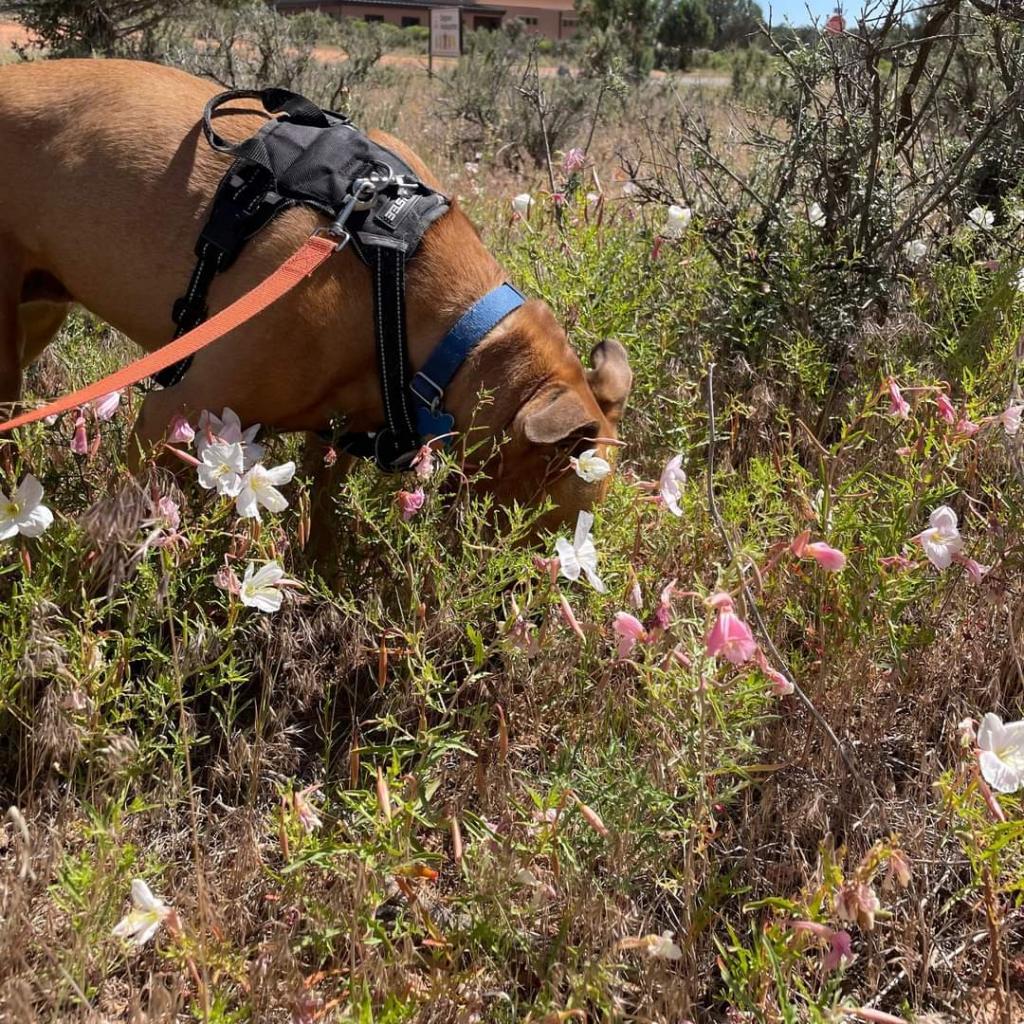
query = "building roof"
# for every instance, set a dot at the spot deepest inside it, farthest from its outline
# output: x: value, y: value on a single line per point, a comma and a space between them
x: 478, y: 6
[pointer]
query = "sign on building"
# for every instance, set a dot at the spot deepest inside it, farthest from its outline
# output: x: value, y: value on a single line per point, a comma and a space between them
x: 445, y: 32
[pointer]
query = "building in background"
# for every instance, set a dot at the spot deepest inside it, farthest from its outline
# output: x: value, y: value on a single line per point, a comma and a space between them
x: 555, y: 19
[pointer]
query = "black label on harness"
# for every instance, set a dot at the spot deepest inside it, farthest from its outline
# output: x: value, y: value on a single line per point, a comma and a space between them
x: 393, y: 214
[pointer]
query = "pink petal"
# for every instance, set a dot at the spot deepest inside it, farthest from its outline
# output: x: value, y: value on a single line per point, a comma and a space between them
x: 410, y: 502
x: 827, y: 557
x: 946, y: 409
x: 179, y: 430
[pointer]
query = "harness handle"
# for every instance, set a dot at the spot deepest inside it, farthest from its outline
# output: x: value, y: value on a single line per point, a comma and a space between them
x: 298, y: 109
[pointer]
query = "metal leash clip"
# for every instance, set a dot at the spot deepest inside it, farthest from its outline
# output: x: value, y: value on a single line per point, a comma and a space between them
x: 361, y: 196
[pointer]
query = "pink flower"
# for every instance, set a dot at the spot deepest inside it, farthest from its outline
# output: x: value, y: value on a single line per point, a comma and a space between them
x: 730, y: 636
x: 558, y: 199
x: 573, y: 161
x: 839, y: 943
x: 1010, y: 418
x: 827, y: 557
x: 856, y: 901
x: 966, y: 427
x: 168, y: 512
x: 80, y: 439
x: 946, y: 409
x: 782, y: 686
x: 662, y: 616
x: 840, y: 948
x: 898, y: 562
x: 410, y: 502
x: 179, y: 430
x: 900, y: 407
x: 423, y: 464
x: 975, y: 571
x: 629, y: 631
x: 106, y: 407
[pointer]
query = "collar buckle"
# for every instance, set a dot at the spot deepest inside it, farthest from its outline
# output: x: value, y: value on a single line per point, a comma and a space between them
x: 433, y: 404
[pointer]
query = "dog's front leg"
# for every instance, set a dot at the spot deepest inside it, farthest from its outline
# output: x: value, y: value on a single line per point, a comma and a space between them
x: 325, y: 469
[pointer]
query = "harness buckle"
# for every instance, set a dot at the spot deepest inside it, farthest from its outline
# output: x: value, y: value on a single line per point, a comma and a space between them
x: 337, y: 234
x: 433, y: 404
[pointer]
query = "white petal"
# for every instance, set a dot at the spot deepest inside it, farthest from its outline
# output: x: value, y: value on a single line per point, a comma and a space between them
x: 132, y: 922
x: 991, y: 734
x: 35, y: 522
x: 246, y: 504
x: 569, y: 565
x: 998, y: 774
x: 273, y: 500
x: 943, y: 518
x: 268, y: 575
x: 267, y: 599
x: 229, y: 485
x: 143, y: 898
x: 29, y: 492
x: 587, y: 555
x: 147, y: 933
x: 8, y: 528
x: 281, y: 474
x: 584, y: 521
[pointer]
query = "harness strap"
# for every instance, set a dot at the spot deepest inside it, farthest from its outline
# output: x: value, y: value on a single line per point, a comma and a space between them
x: 400, y: 439
x: 427, y: 387
x: 315, y: 251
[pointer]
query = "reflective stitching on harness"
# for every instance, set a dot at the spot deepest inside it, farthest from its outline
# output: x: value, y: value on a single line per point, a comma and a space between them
x: 400, y: 320
x: 381, y: 350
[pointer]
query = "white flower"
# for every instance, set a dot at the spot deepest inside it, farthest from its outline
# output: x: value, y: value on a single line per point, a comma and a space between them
x: 141, y: 923
x: 678, y: 220
x: 259, y: 487
x: 593, y: 198
x: 222, y: 467
x: 915, y: 250
x: 1018, y: 280
x: 24, y: 512
x: 260, y: 587
x: 580, y: 555
x: 942, y: 540
x: 1002, y: 753
x: 522, y: 204
x: 1010, y: 418
x: 661, y: 947
x: 981, y: 218
x: 816, y: 215
x: 472, y: 167
x: 671, y: 485
x: 227, y: 428
x: 105, y: 408
x: 590, y: 466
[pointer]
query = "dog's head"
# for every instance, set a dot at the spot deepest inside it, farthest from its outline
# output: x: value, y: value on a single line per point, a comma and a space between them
x: 551, y: 409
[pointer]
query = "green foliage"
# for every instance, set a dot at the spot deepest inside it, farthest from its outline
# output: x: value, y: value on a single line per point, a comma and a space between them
x: 685, y: 27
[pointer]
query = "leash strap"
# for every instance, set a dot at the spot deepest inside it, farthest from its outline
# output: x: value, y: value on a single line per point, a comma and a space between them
x: 316, y: 250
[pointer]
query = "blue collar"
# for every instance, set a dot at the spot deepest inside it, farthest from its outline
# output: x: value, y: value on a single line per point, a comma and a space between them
x: 428, y: 386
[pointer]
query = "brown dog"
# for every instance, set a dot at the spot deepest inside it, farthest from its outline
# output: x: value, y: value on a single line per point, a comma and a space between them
x: 105, y: 182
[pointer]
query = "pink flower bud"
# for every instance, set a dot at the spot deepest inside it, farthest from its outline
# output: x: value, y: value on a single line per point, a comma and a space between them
x: 410, y: 502
x: 80, y: 439
x: 899, y: 405
x: 179, y: 430
x: 946, y: 409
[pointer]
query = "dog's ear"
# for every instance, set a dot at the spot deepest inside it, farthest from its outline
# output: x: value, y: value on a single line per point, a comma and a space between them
x: 556, y: 414
x: 610, y: 379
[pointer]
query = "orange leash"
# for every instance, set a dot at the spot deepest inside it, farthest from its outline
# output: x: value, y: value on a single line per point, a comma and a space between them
x: 314, y: 251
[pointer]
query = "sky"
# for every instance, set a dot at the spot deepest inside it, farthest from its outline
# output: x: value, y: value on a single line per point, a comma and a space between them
x: 796, y: 10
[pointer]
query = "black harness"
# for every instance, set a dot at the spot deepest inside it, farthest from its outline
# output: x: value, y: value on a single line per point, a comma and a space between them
x: 317, y: 158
